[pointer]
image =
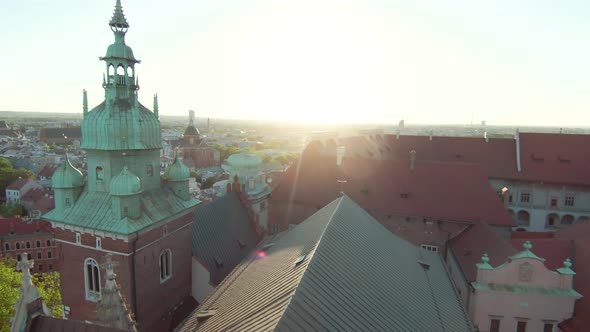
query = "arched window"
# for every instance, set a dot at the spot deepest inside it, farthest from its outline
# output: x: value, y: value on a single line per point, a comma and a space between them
x: 29, y: 257
x: 120, y: 74
x: 39, y: 255
x: 49, y: 254
x: 28, y: 244
x: 99, y: 175
x: 49, y: 243
x: 17, y: 246
x: 130, y: 71
x: 7, y: 246
x: 18, y: 257
x: 523, y: 218
x: 568, y: 219
x: 92, y: 280
x: 38, y: 244
x: 165, y: 265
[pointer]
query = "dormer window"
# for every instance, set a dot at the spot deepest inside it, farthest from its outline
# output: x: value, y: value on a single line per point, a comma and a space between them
x: 99, y: 174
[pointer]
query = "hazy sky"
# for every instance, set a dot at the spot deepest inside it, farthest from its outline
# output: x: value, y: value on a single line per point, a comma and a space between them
x: 507, y: 62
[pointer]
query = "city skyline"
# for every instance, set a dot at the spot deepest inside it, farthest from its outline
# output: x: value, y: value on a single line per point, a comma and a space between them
x: 312, y: 61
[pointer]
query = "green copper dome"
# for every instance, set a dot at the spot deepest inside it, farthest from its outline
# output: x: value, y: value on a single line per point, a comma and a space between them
x: 177, y: 171
x: 121, y: 124
x: 244, y: 161
x: 67, y: 176
x: 125, y: 184
x: 120, y: 51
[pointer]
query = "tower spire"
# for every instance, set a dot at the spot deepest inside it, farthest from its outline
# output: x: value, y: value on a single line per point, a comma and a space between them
x: 118, y: 21
x: 85, y: 102
x: 156, y: 108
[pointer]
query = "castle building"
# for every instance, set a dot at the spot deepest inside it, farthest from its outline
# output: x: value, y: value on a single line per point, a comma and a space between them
x: 123, y: 207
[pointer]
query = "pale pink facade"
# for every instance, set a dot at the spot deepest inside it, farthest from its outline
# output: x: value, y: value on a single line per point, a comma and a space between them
x: 522, y: 295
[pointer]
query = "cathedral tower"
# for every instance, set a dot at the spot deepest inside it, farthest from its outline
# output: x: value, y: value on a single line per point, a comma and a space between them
x: 123, y: 207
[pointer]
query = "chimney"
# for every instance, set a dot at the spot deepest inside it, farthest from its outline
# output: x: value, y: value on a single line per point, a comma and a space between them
x: 517, y: 139
x: 412, y: 159
x: 485, y: 136
x: 398, y: 133
x: 430, y: 137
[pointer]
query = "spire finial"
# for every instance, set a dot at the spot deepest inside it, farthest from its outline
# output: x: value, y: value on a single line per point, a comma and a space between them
x: 567, y: 263
x: 156, y: 107
x: 85, y: 101
x: 118, y: 22
x: 527, y: 245
x: 485, y: 258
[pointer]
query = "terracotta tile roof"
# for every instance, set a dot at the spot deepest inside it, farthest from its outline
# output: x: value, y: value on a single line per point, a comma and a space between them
x: 554, y: 251
x: 448, y: 191
x: 17, y: 184
x: 340, y: 270
x: 48, y: 170
x: 51, y: 324
x: 35, y: 194
x: 554, y: 158
x: 45, y: 204
x: 472, y: 243
x: 20, y: 227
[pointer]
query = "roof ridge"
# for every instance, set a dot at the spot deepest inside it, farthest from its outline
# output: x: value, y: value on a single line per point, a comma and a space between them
x: 311, y: 256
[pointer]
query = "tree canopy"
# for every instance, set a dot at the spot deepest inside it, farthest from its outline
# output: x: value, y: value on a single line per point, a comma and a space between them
x: 8, y: 174
x: 10, y: 281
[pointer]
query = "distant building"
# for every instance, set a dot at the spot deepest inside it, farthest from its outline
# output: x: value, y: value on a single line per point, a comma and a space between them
x: 65, y: 135
x: 196, y: 153
x: 34, y: 239
x: 17, y: 189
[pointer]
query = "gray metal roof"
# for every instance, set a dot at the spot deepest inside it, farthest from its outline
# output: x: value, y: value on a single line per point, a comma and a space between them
x: 222, y: 235
x: 355, y: 276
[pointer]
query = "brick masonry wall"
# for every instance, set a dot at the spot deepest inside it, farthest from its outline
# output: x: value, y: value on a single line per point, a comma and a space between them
x: 154, y: 299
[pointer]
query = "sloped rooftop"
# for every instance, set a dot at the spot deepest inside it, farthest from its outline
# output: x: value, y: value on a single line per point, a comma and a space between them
x: 222, y: 235
x: 338, y: 270
x: 94, y: 210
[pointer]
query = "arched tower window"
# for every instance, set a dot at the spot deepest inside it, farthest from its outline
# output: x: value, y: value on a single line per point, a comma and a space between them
x: 165, y: 265
x: 111, y: 73
x: 130, y: 71
x: 120, y: 74
x: 92, y: 280
x: 99, y: 175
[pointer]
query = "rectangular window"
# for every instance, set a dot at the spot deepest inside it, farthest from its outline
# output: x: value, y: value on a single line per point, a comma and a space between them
x: 569, y: 200
x: 525, y: 197
x: 548, y: 327
x: 38, y: 255
x: 50, y: 267
x: 509, y: 198
x: 429, y: 247
x: 40, y: 267
x: 98, y: 243
x: 521, y: 326
x: 553, y: 202
x: 495, y: 325
x: 49, y: 254
x: 78, y: 238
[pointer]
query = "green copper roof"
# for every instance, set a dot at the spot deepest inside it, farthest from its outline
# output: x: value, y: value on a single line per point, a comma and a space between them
x: 567, y: 268
x: 526, y: 289
x: 244, y: 161
x: 125, y: 183
x: 527, y: 253
x: 121, y: 51
x: 67, y: 176
x: 121, y: 124
x: 93, y: 210
x: 177, y: 171
x: 118, y: 20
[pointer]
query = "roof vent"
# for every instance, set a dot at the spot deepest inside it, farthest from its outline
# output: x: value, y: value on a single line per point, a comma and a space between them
x: 300, y: 260
x: 424, y: 264
x: 218, y: 262
x: 564, y: 159
x: 203, y: 315
x: 537, y: 157
x: 267, y: 246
